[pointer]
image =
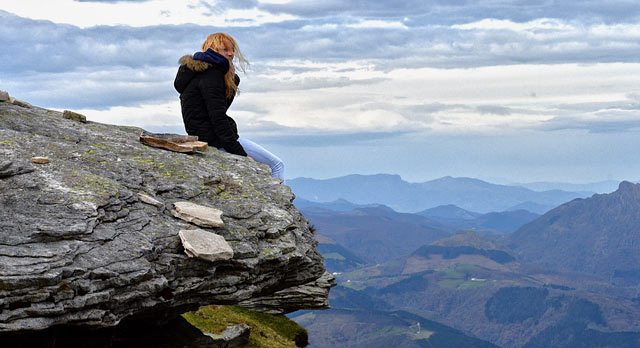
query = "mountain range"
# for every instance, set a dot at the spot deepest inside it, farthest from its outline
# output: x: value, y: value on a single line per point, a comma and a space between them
x: 568, y: 278
x: 467, y: 193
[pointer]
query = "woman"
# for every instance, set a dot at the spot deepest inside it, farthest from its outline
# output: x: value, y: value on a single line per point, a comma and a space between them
x: 207, y: 84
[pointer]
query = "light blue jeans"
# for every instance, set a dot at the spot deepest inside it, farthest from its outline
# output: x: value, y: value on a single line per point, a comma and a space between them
x: 262, y: 155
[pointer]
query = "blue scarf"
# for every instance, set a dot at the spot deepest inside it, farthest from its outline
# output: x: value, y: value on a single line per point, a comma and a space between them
x: 213, y: 57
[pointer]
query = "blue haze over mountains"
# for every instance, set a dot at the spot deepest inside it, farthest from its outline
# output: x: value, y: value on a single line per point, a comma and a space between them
x: 467, y: 193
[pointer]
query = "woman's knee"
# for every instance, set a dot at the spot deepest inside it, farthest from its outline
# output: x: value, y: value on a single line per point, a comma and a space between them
x: 277, y: 169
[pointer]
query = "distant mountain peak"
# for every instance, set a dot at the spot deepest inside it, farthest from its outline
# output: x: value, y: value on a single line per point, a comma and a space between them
x: 594, y: 235
x: 626, y: 186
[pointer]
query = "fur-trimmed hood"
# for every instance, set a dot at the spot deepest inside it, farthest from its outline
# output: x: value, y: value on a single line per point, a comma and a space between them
x: 190, y: 65
x: 194, y: 65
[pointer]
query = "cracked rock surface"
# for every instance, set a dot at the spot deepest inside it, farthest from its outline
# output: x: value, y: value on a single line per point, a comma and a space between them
x: 79, y: 246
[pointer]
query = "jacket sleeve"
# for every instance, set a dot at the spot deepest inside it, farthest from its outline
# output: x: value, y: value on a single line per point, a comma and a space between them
x: 213, y: 92
x: 182, y: 79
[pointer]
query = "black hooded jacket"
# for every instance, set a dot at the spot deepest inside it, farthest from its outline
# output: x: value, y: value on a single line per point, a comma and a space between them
x: 204, y: 102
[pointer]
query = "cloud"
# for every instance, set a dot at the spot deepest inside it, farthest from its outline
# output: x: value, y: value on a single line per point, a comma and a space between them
x: 494, y: 110
x: 611, y: 122
x: 112, y: 1
x: 350, y: 72
x: 387, y: 44
x: 43, y: 46
x: 86, y: 88
x: 446, y: 12
x: 617, y: 116
x: 292, y: 138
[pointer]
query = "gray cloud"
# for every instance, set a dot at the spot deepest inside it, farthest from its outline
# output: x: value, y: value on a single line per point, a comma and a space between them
x: 43, y: 46
x: 494, y: 110
x: 632, y: 103
x: 306, y: 83
x: 605, y: 122
x: 56, y: 47
x: 434, y: 107
x: 97, y: 90
x: 429, y: 12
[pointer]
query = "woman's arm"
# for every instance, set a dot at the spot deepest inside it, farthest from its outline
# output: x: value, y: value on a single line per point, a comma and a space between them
x: 213, y: 91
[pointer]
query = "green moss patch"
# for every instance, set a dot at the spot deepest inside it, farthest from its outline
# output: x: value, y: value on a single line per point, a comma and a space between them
x: 267, y: 331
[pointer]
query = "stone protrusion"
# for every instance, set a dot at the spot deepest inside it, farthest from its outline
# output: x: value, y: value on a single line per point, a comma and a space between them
x: 232, y: 336
x: 5, y: 97
x: 198, y: 214
x: 11, y: 168
x: 20, y: 103
x: 40, y: 160
x: 74, y: 116
x: 150, y: 200
x: 205, y: 245
x: 313, y: 295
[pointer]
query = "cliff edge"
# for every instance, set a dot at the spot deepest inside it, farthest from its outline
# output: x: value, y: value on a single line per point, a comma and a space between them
x: 88, y: 238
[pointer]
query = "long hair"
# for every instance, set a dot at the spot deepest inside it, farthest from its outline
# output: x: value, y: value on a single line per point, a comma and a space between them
x: 217, y: 42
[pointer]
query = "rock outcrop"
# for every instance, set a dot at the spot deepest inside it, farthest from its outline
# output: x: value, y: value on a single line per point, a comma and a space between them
x: 89, y: 240
x: 310, y: 296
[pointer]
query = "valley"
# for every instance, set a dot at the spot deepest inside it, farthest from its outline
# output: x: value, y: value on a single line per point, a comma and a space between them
x: 447, y: 265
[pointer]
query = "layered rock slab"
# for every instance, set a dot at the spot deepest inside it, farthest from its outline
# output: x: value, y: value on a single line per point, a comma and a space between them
x: 82, y: 245
x: 205, y: 245
x: 198, y: 214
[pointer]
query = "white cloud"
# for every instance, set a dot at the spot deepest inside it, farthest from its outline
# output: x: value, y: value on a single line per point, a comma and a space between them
x: 498, y: 24
x: 378, y: 24
x: 478, y: 100
x: 139, y: 14
x: 147, y: 116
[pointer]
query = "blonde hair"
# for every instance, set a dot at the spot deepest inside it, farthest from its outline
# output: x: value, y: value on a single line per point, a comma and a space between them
x: 217, y: 42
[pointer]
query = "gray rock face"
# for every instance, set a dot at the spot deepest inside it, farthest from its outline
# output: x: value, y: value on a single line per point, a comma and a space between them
x: 79, y: 246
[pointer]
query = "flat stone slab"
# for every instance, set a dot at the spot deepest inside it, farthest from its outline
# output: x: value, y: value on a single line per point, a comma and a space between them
x: 198, y: 214
x: 173, y: 142
x: 4, y: 96
x: 150, y: 200
x: 205, y: 245
x: 20, y: 103
x: 40, y: 160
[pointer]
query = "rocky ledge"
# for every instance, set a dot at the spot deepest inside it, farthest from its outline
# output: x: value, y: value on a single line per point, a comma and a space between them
x: 88, y: 237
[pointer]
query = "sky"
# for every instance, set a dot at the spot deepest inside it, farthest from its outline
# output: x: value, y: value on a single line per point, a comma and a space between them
x: 501, y: 90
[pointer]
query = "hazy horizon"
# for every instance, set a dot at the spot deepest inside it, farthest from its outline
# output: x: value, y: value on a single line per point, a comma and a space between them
x: 543, y: 91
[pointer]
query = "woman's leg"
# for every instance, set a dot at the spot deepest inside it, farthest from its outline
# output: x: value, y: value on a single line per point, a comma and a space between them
x: 260, y: 154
